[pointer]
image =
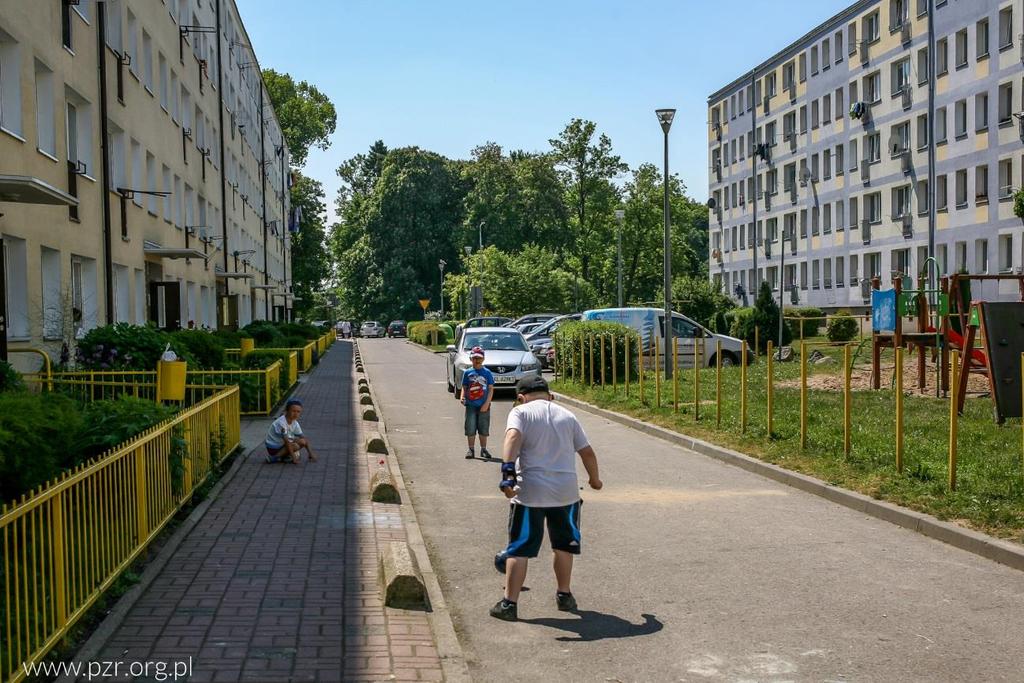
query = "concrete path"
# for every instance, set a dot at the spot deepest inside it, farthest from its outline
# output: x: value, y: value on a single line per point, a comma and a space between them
x: 692, y: 570
x: 278, y: 581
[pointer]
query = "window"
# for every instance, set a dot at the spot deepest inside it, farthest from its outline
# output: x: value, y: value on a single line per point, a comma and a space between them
x: 873, y: 148
x: 871, y: 27
x: 51, y: 279
x: 840, y: 272
x: 10, y: 84
x: 814, y: 114
x: 826, y: 219
x: 853, y: 213
x: 112, y: 17
x: 117, y: 157
x: 901, y: 260
x: 981, y: 44
x: 941, y: 56
x: 177, y: 198
x: 840, y: 216
x: 175, y: 98
x: 121, y: 285
x: 900, y: 201
x: 839, y: 103
x: 147, y: 61
x: 960, y: 118
x: 961, y: 257
x: 941, y: 200
x: 46, y: 126
x: 165, y: 96
x: 873, y: 207
x: 151, y: 183
x: 981, y: 112
x: 815, y: 221
x: 814, y: 60
x: 166, y: 174
x: 922, y: 66
x: 826, y: 57
x: 981, y: 184
x: 803, y: 66
x: 898, y: 13
x: 873, y: 87
x: 900, y: 76
x: 65, y: 24
x: 826, y: 109
x: 940, y: 125
x: 137, y: 170
x: 922, y: 131
x: 839, y: 160
x: 769, y: 84
x: 1006, y: 103
x: 133, y: 43
x: 961, y: 188
x: 16, y: 286
x: 981, y: 255
x: 899, y: 138
x: 78, y: 119
x: 1005, y: 178
x: 853, y: 155
x: 84, y: 299
x: 815, y: 274
x: 826, y: 163
x: 803, y: 119
x: 853, y: 92
x: 961, y: 48
x: 788, y: 76
x: 1005, y: 253
x: 839, y: 46
x: 851, y: 36
x: 1005, y: 27
x: 942, y: 256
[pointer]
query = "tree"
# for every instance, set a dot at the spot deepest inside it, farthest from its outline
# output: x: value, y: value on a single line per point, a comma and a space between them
x: 526, y: 281
x: 587, y: 168
x: 310, y: 261
x: 701, y: 300
x: 307, y: 117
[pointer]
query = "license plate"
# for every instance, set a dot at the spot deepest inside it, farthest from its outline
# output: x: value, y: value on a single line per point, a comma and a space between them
x: 504, y: 379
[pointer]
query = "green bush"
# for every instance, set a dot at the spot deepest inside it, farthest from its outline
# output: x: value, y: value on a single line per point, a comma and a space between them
x: 739, y: 320
x: 262, y: 358
x: 205, y: 347
x: 112, y: 422
x: 572, y: 338
x: 229, y: 339
x: 39, y: 436
x: 806, y: 326
x: 763, y: 316
x: 127, y: 347
x: 10, y: 380
x: 700, y: 299
x: 265, y: 333
x: 293, y: 342
x: 428, y: 333
x: 842, y: 327
x: 307, y: 332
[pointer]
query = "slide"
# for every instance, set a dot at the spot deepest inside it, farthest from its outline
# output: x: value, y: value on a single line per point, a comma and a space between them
x: 956, y: 340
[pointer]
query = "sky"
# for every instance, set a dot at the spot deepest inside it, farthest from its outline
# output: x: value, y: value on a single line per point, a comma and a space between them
x: 448, y: 75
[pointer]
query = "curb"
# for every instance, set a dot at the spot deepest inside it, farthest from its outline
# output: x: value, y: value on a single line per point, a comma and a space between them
x: 986, y: 546
x: 115, y: 617
x: 449, y: 650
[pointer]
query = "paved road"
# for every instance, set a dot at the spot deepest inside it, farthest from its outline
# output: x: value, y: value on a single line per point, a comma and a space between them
x: 692, y: 570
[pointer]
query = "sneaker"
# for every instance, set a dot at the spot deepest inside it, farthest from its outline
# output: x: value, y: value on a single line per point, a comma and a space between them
x: 504, y: 610
x: 485, y: 454
x: 470, y: 454
x: 566, y: 602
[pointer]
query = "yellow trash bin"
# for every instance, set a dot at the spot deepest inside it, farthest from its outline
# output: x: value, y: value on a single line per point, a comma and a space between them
x: 171, y: 380
x: 248, y: 345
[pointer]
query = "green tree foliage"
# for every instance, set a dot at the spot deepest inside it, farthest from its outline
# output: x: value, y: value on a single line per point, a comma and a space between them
x: 528, y: 280
x: 842, y: 327
x: 702, y: 300
x: 766, y: 317
x: 307, y: 117
x: 310, y: 260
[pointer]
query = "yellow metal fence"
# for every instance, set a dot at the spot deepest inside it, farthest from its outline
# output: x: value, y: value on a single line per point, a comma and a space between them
x: 67, y: 543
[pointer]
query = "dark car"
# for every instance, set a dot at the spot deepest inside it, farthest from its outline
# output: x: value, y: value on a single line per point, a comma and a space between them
x: 396, y: 328
x: 540, y: 339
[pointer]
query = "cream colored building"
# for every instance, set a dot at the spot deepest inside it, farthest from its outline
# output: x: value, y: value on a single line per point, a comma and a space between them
x: 163, y: 157
x: 888, y: 118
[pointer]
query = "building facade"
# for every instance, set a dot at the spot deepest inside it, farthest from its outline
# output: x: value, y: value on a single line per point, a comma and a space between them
x: 820, y: 156
x: 147, y: 130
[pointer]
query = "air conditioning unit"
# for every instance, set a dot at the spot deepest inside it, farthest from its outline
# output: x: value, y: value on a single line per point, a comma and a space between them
x: 865, y: 230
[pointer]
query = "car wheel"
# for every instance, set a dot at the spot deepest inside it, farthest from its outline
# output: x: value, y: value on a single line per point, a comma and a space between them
x: 451, y: 387
x: 458, y: 393
x: 728, y: 360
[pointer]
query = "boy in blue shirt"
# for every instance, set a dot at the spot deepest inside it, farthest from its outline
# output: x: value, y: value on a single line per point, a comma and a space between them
x: 477, y: 392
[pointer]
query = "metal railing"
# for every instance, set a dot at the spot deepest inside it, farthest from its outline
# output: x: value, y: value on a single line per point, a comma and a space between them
x: 68, y: 542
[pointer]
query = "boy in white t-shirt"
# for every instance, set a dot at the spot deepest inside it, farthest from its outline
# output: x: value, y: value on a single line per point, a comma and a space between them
x: 285, y: 439
x: 539, y: 476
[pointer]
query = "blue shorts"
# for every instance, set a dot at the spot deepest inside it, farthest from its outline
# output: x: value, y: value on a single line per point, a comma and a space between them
x: 477, y: 422
x: 526, y: 529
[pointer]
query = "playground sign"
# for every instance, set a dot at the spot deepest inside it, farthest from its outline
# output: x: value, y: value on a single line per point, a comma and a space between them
x: 883, y: 310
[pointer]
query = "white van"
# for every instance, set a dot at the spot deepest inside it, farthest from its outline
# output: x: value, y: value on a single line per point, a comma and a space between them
x: 650, y: 322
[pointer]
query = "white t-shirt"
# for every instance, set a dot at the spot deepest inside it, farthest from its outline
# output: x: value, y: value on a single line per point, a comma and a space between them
x: 551, y: 436
x: 280, y: 431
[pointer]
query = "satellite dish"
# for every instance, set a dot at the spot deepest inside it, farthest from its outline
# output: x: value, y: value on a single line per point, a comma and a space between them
x: 712, y: 203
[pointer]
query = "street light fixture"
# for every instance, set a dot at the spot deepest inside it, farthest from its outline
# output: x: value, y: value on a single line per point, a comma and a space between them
x: 619, y: 215
x: 481, y: 229
x: 441, y: 264
x: 665, y: 117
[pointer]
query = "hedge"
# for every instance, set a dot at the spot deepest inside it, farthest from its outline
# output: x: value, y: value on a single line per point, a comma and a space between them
x: 808, y: 328
x: 572, y: 338
x: 261, y: 359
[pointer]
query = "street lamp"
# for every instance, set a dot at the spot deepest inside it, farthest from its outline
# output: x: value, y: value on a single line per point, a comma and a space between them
x: 441, y: 264
x: 481, y: 229
x: 619, y: 215
x: 665, y: 117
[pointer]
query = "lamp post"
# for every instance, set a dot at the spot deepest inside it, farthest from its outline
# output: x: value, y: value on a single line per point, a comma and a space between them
x: 619, y: 215
x: 441, y: 264
x: 481, y: 229
x: 665, y: 117
x: 469, y: 294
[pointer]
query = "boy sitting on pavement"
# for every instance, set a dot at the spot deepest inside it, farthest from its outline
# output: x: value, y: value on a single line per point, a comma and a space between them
x: 285, y: 438
x: 477, y: 392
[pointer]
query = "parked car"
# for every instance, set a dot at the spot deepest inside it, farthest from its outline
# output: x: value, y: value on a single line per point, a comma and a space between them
x: 371, y: 328
x: 485, y: 321
x: 650, y: 323
x: 396, y: 328
x: 531, y: 318
x: 506, y: 355
x: 540, y: 339
x: 528, y: 328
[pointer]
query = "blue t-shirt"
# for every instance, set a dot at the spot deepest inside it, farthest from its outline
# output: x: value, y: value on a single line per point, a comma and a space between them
x: 475, y: 384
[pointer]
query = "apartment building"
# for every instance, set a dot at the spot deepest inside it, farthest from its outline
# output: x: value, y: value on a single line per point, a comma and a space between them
x: 820, y: 157
x: 143, y: 172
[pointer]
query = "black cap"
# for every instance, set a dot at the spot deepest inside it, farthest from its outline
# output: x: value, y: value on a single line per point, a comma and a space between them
x: 532, y: 385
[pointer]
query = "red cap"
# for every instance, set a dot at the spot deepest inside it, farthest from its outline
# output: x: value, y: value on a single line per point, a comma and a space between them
x: 476, y: 352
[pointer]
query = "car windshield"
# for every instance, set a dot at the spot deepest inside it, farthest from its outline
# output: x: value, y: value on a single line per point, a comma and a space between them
x: 496, y: 341
x: 370, y: 323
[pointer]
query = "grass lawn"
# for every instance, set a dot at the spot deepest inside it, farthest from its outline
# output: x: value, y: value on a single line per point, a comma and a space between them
x: 990, y: 476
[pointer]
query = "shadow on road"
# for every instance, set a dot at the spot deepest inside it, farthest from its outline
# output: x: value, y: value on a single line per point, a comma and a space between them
x: 592, y: 625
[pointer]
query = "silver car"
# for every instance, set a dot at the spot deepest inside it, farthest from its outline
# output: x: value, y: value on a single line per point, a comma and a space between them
x: 506, y: 355
x: 371, y: 328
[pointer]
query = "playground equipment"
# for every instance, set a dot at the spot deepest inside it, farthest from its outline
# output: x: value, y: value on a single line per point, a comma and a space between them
x: 888, y: 310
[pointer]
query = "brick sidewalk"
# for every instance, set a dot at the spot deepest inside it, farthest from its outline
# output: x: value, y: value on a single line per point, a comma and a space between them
x: 278, y: 581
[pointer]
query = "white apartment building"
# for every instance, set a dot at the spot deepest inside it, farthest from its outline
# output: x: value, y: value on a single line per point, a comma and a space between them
x: 829, y: 145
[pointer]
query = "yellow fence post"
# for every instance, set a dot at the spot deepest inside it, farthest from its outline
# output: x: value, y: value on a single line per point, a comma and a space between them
x: 615, y: 370
x: 675, y: 376
x: 803, y: 395
x: 60, y: 579
x: 899, y: 410
x: 601, y: 341
x: 847, y: 401
x: 696, y: 380
x: 141, y: 505
x: 954, y: 393
x: 1022, y: 403
x: 590, y: 358
x: 657, y: 376
x: 627, y: 367
x: 718, y: 383
x: 743, y: 389
x: 640, y: 368
x: 757, y: 340
x: 769, y: 387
